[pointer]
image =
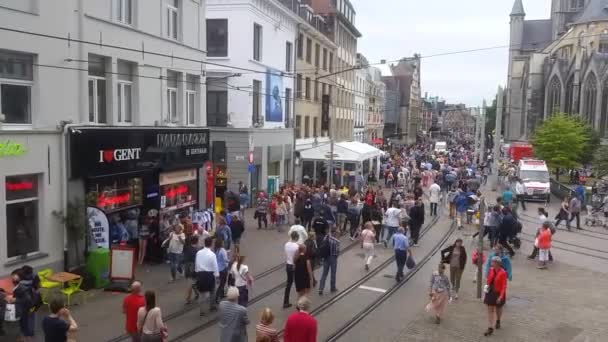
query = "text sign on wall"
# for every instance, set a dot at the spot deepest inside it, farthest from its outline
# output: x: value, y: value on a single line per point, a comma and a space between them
x: 11, y: 149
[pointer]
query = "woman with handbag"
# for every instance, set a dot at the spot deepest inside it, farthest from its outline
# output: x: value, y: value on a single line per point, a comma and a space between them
x: 150, y: 321
x: 440, y: 293
x: 495, y: 294
x: 242, y: 278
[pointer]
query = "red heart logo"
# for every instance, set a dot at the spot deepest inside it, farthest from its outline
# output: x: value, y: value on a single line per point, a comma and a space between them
x: 108, y: 155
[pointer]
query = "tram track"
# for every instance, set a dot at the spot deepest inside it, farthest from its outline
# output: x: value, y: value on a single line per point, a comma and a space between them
x: 587, y: 232
x: 570, y: 250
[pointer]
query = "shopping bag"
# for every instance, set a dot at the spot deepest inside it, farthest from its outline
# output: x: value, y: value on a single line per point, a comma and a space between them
x: 10, y: 315
x: 410, y: 262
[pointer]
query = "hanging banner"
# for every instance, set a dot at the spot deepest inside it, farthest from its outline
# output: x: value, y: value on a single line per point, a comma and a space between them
x: 99, y: 228
x: 274, y: 100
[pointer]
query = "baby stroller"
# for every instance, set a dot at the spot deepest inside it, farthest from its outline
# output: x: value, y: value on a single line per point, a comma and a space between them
x: 594, y: 216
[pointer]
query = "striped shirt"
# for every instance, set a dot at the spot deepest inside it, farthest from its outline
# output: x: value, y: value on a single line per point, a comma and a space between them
x: 262, y: 330
x: 334, y: 245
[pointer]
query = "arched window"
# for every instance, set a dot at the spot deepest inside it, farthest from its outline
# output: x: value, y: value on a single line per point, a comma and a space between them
x: 604, y: 119
x: 590, y: 99
x: 570, y: 96
x: 555, y: 92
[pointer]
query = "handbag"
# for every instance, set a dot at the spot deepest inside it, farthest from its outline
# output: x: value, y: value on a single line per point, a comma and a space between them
x: 491, y: 295
x: 10, y: 313
x: 410, y: 262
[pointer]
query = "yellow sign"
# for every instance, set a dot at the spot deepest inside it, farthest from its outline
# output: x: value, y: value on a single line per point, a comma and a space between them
x: 11, y: 149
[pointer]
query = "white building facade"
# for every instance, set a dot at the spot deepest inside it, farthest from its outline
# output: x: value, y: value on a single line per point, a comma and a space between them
x: 87, y: 67
x: 361, y: 104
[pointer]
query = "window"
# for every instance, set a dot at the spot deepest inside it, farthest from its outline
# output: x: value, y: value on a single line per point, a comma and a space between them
x: 307, y: 89
x: 298, y: 126
x: 316, y: 97
x: 287, y: 107
x: 172, y: 96
x: 317, y: 55
x: 16, y: 80
x: 125, y: 91
x: 257, y: 42
x: 325, y: 59
x: 323, y: 88
x: 217, y: 37
x: 306, y: 126
x: 555, y: 89
x: 331, y: 62
x: 123, y: 11
x: 191, y: 87
x: 172, y: 19
x: 288, y: 49
x: 590, y: 98
x: 308, y: 50
x: 603, y: 47
x: 604, y: 113
x: 315, y: 122
x: 569, y: 95
x: 257, y: 87
x: 299, y: 86
x: 300, y: 45
x: 21, y: 215
x: 217, y: 108
x: 576, y: 5
x: 97, y: 89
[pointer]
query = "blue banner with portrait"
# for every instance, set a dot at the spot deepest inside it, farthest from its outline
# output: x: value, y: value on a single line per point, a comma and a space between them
x: 274, y: 99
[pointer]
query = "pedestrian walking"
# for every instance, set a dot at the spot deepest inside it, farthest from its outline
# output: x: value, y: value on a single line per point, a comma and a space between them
x: 207, y: 271
x: 241, y: 278
x: 495, y: 294
x: 329, y: 250
x: 301, y: 326
x: 491, y: 221
x: 130, y: 308
x: 440, y: 293
x: 302, y: 272
x: 281, y: 213
x: 354, y: 217
x: 462, y: 203
x: 452, y: 194
x: 150, y: 320
x: 507, y: 229
x: 564, y: 213
x: 342, y: 213
x: 24, y: 297
x: 455, y: 256
x: 368, y: 239
x: 261, y: 211
x: 264, y: 331
x: 544, y: 245
x: 233, y: 319
x: 312, y: 252
x: 400, y: 244
x: 175, y: 247
x: 416, y: 221
x: 223, y: 268
x: 59, y: 324
x: 189, y: 260
x: 237, y: 228
x: 291, y: 248
x: 308, y: 213
x: 392, y: 219
x: 223, y: 232
x: 575, y: 211
x: 434, y: 196
x: 498, y: 251
x: 300, y: 230
x: 520, y: 192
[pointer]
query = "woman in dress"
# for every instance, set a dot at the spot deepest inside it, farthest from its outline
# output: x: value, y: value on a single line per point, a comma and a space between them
x: 242, y: 278
x: 302, y: 272
x: 150, y: 320
x: 368, y: 237
x: 495, y: 294
x: 440, y: 293
x: 564, y: 213
x: 264, y: 331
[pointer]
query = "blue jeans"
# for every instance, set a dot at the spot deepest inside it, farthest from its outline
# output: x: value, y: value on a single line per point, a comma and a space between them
x: 329, y: 262
x: 175, y: 262
x: 389, y: 231
x: 27, y: 323
x: 400, y: 258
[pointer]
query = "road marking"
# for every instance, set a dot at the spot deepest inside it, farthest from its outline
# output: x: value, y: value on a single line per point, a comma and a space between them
x: 375, y: 289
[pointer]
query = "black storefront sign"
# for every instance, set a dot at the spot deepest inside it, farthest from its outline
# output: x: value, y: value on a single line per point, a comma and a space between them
x: 99, y: 151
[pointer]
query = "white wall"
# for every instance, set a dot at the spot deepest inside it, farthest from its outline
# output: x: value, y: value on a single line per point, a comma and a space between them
x: 277, y: 29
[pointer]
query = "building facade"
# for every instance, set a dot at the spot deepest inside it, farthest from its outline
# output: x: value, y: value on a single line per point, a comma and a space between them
x: 123, y: 65
x: 376, y: 94
x: 558, y: 65
x: 340, y: 18
x: 391, y: 108
x: 362, y: 79
x: 405, y: 76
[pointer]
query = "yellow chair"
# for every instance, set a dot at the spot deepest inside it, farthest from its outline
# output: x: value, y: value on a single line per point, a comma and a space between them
x: 44, y: 282
x: 72, y: 288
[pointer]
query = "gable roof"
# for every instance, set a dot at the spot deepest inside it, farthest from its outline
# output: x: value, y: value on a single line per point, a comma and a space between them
x: 537, y: 34
x: 596, y: 10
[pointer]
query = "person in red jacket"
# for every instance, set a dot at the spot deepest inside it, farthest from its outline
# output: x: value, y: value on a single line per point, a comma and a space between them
x: 495, y: 294
x: 130, y: 306
x: 544, y: 244
x: 300, y: 325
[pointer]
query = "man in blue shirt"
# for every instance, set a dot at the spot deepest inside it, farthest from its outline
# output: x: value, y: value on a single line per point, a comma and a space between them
x: 401, y: 245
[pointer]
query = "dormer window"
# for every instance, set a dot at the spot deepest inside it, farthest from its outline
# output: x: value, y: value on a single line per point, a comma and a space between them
x: 577, y: 5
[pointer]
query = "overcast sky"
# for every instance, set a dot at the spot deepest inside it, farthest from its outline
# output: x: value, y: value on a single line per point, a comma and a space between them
x: 393, y: 29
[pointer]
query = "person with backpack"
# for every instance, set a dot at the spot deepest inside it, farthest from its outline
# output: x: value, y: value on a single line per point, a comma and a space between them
x: 575, y: 211
x: 27, y: 300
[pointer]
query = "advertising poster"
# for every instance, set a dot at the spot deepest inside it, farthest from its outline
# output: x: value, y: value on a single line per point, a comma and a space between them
x: 274, y: 99
x: 99, y: 228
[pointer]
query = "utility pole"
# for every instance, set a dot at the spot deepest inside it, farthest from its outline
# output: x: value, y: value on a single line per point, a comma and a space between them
x: 477, y: 126
x: 497, y: 136
x: 482, y: 134
x: 482, y: 212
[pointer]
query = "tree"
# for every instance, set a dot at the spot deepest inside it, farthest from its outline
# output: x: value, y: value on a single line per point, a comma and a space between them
x: 74, y: 221
x: 593, y: 142
x: 600, y: 162
x: 560, y: 141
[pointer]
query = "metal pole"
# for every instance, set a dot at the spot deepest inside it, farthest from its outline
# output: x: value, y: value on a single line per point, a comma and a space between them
x: 482, y: 134
x: 482, y: 212
x: 477, y: 119
x: 497, y: 135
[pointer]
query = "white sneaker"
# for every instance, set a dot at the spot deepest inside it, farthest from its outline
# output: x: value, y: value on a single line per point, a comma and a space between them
x: 456, y: 296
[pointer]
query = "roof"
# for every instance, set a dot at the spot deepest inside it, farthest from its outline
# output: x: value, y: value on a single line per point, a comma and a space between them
x: 596, y: 10
x: 351, y: 151
x: 518, y: 9
x: 537, y: 34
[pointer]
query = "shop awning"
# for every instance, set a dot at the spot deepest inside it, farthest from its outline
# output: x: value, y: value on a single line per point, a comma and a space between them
x: 343, y: 151
x: 377, y: 141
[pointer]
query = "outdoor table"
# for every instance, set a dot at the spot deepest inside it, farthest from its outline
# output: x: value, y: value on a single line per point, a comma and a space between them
x: 63, y: 277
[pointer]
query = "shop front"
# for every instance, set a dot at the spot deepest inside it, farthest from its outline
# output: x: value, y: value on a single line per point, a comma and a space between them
x: 141, y: 179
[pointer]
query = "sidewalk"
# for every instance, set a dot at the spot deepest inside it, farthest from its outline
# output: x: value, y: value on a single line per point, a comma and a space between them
x: 542, y: 305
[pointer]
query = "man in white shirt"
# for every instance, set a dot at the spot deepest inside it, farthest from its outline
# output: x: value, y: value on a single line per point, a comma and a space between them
x: 434, y: 193
x: 520, y: 191
x: 298, y: 228
x: 205, y: 266
x: 291, y: 248
x: 392, y: 218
